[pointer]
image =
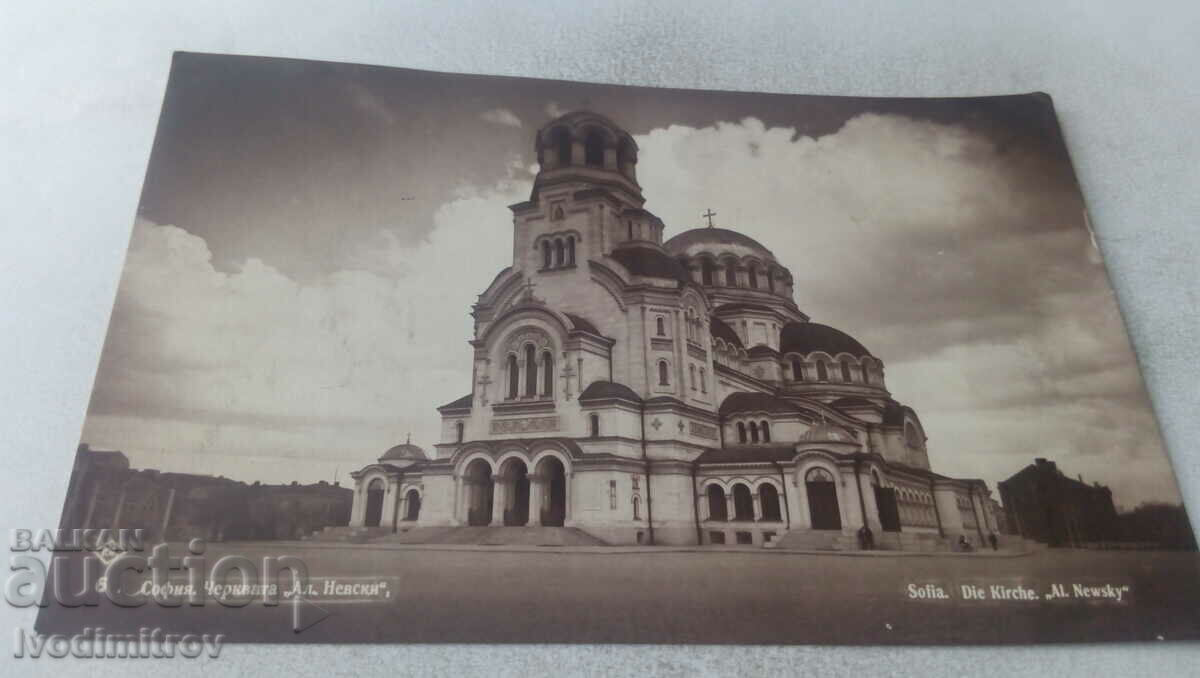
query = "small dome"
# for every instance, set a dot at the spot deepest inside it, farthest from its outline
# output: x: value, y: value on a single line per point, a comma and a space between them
x: 826, y: 432
x: 808, y: 337
x: 404, y: 452
x: 714, y: 241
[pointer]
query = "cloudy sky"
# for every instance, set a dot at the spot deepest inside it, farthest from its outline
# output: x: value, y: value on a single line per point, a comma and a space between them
x: 311, y: 237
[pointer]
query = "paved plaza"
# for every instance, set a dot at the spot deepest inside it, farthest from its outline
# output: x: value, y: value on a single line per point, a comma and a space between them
x: 648, y: 595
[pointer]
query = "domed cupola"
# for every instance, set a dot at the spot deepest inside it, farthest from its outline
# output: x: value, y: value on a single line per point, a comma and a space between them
x: 735, y: 268
x: 405, y: 454
x: 586, y: 147
x: 824, y: 359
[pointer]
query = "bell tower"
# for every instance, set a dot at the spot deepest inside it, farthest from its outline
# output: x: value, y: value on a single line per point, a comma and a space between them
x: 586, y: 199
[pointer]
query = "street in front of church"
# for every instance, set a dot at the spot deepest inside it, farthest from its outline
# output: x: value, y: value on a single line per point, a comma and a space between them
x: 644, y: 595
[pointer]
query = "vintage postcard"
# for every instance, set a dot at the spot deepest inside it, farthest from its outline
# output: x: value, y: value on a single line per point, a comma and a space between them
x: 401, y: 356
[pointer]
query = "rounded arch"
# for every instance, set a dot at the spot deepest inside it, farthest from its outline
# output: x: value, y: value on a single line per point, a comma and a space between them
x: 470, y: 454
x: 412, y: 504
x: 743, y: 501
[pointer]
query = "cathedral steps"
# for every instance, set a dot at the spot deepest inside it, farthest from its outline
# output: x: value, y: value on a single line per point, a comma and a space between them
x: 816, y: 540
x: 516, y: 536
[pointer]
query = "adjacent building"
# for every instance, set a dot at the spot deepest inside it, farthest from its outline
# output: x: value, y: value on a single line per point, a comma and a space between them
x: 1044, y: 504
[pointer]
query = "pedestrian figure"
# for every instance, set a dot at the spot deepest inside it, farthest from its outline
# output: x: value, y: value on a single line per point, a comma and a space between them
x: 994, y: 541
x: 963, y: 544
x: 866, y: 540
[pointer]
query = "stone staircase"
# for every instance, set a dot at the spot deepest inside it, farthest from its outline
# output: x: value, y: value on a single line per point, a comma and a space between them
x: 480, y: 536
x: 816, y: 540
x: 352, y: 535
x: 514, y: 536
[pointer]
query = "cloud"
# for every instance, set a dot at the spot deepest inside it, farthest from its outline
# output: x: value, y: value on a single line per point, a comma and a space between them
x: 965, y: 266
x: 501, y: 116
x: 211, y: 370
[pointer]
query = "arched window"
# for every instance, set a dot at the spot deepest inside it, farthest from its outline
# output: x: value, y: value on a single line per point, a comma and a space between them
x: 731, y: 274
x: 703, y: 381
x: 547, y: 374
x: 866, y: 371
x: 637, y: 507
x: 753, y: 273
x: 707, y: 272
x: 743, y: 503
x: 530, y: 370
x: 765, y: 428
x: 753, y: 432
x: 846, y: 371
x: 593, y: 149
x: 797, y: 370
x: 595, y: 418
x: 741, y: 432
x: 661, y: 326
x: 717, y: 508
x: 558, y: 253
x: 692, y: 375
x: 818, y: 475
x: 514, y: 377
x: 822, y: 371
x: 663, y: 377
x: 768, y: 496
x: 458, y: 431
x: 570, y: 250
x: 562, y: 144
x: 629, y: 225
x: 546, y: 257
x: 771, y: 280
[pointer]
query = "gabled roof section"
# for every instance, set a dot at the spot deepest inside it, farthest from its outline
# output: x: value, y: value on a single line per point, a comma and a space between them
x: 463, y: 403
x: 650, y: 262
x: 721, y: 330
x: 756, y: 402
x: 582, y: 324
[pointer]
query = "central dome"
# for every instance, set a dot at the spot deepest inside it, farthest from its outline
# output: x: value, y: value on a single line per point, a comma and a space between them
x: 699, y: 240
x: 804, y: 338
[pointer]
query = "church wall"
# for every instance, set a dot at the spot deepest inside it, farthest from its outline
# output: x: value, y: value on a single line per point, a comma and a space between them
x: 602, y: 504
x: 947, y: 504
x: 437, y: 502
x: 674, y: 514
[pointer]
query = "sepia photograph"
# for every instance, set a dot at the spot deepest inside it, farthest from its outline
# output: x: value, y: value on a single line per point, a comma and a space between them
x: 400, y: 356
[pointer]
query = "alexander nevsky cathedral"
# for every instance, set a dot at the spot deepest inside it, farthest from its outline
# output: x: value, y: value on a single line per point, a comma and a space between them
x: 634, y: 391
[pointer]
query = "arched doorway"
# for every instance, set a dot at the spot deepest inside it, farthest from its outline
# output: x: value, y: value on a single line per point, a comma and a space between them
x: 743, y: 503
x: 768, y: 496
x: 822, y: 500
x: 717, y: 508
x: 554, y: 492
x: 516, y: 492
x: 374, y: 513
x: 413, y: 510
x: 479, y: 493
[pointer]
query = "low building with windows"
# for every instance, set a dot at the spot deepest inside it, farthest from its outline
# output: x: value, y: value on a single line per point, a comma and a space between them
x: 645, y: 390
x: 1044, y: 504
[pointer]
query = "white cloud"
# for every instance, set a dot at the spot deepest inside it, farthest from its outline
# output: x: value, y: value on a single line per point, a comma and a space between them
x: 965, y: 267
x: 501, y: 116
x: 255, y: 364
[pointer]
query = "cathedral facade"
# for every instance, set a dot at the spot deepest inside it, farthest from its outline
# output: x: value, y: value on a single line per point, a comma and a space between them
x: 663, y: 392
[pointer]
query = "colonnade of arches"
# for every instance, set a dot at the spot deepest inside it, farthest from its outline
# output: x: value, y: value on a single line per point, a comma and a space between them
x: 845, y: 369
x: 406, y: 509
x: 741, y: 504
x: 588, y: 146
x: 725, y: 271
x: 531, y: 375
x: 558, y: 252
x: 514, y: 492
x: 754, y: 431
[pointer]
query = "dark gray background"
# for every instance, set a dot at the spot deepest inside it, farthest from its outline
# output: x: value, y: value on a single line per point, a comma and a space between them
x: 82, y: 86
